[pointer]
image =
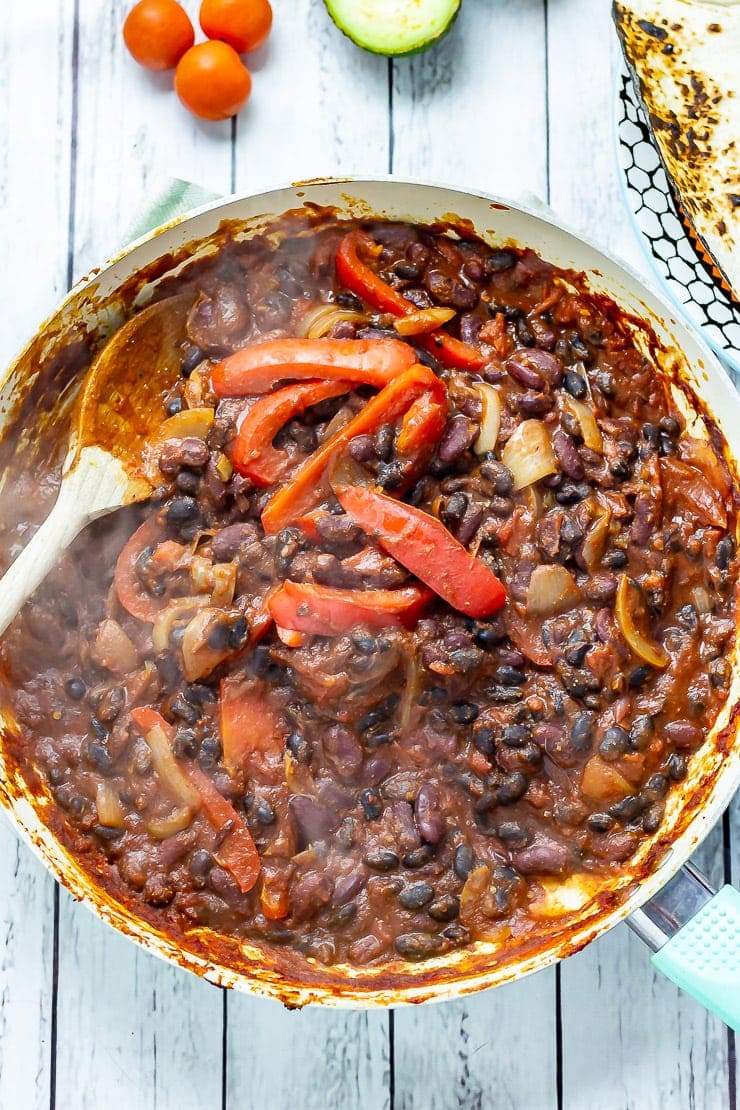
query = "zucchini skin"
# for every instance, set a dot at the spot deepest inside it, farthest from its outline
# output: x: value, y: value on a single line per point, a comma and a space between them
x: 390, y: 53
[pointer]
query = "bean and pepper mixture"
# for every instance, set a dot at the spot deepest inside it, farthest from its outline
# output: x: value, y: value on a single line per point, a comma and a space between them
x: 432, y: 602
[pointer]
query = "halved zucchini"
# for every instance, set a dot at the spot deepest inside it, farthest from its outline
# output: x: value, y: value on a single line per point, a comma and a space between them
x: 394, y: 27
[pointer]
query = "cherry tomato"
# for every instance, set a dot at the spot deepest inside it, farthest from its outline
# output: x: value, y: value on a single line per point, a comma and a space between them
x: 157, y: 33
x: 212, y: 81
x: 244, y: 24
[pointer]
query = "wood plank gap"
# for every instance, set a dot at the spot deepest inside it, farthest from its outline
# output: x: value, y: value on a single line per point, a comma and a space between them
x: 391, y: 1060
x: 54, y: 997
x: 547, y: 126
x: 224, y: 1042
x: 558, y: 1026
x: 71, y: 223
x: 731, y: 1037
x: 391, y: 137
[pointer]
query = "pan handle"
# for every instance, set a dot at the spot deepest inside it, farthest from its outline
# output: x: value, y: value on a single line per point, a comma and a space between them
x: 695, y: 936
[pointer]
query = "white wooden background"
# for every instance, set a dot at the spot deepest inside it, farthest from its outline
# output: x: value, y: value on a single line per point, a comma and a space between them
x: 519, y: 97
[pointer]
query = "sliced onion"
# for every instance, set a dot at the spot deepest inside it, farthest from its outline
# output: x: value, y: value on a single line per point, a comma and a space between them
x: 176, y: 610
x: 410, y: 696
x: 108, y: 806
x: 201, y: 573
x: 528, y: 454
x: 702, y: 601
x: 186, y: 424
x: 629, y: 602
x: 297, y: 776
x: 586, y: 418
x: 597, y: 535
x: 162, y: 827
x: 114, y: 650
x: 473, y: 892
x: 490, y: 420
x: 321, y: 318
x: 198, y: 657
x: 168, y: 772
x: 196, y: 387
x: 423, y: 321
x: 290, y: 637
x: 224, y: 584
x: 602, y: 781
x: 552, y: 589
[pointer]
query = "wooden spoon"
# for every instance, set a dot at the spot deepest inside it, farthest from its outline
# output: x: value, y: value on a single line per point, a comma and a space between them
x: 116, y: 414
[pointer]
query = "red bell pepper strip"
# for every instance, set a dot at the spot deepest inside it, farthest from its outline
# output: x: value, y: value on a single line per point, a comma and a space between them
x: 247, y: 724
x: 324, y: 611
x: 422, y: 544
x: 252, y: 453
x: 257, y: 369
x: 357, y: 276
x: 237, y: 851
x: 423, y: 424
x: 310, y: 485
x: 129, y: 587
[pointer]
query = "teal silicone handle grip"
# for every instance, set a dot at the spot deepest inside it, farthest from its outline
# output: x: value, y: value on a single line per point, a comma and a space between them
x: 703, y: 958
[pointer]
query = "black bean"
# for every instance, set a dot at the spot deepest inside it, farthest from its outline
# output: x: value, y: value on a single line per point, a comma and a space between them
x: 348, y: 300
x: 575, y: 384
x: 99, y: 756
x: 600, y: 822
x: 457, y: 437
x: 516, y: 736
x: 418, y: 857
x: 299, y: 747
x: 453, y: 509
x: 187, y: 482
x: 576, y: 652
x: 511, y: 832
x: 676, y: 767
x: 218, y: 636
x: 487, y: 637
x: 464, y: 712
x: 371, y: 804
x: 484, y: 740
x: 238, y: 633
x: 419, y: 946
x: 416, y: 896
x: 724, y: 552
x: 200, y: 863
x: 669, y: 425
x: 381, y: 859
x: 510, y: 676
x: 76, y: 689
x: 627, y: 809
x: 384, y: 438
x: 463, y: 861
x: 720, y: 673
x: 639, y: 676
x: 512, y: 788
x: 391, y: 475
x: 615, y: 743
x: 667, y: 446
x: 498, y: 475
x: 615, y: 558
x: 265, y: 814
x: 567, y: 455
x: 192, y: 357
x: 444, y: 908
x: 182, y: 510
x: 641, y: 733
x: 652, y: 818
x: 499, y: 260
x: 107, y: 832
x: 186, y: 745
x: 570, y: 493
x: 183, y: 708
x: 409, y: 271
x: 210, y: 748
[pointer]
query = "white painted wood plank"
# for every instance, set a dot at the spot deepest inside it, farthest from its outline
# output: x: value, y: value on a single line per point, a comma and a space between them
x: 132, y: 133
x: 133, y: 1031
x: 34, y: 192
x: 309, y: 1059
x: 585, y: 188
x: 128, y: 1025
x: 471, y: 112
x: 493, y: 1051
x: 630, y: 1038
x: 319, y: 105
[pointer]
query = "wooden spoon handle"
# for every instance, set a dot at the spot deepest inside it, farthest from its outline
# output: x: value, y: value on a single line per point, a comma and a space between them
x: 95, y: 486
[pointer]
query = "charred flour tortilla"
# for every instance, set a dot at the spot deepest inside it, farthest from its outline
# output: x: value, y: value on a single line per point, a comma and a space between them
x: 685, y: 58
